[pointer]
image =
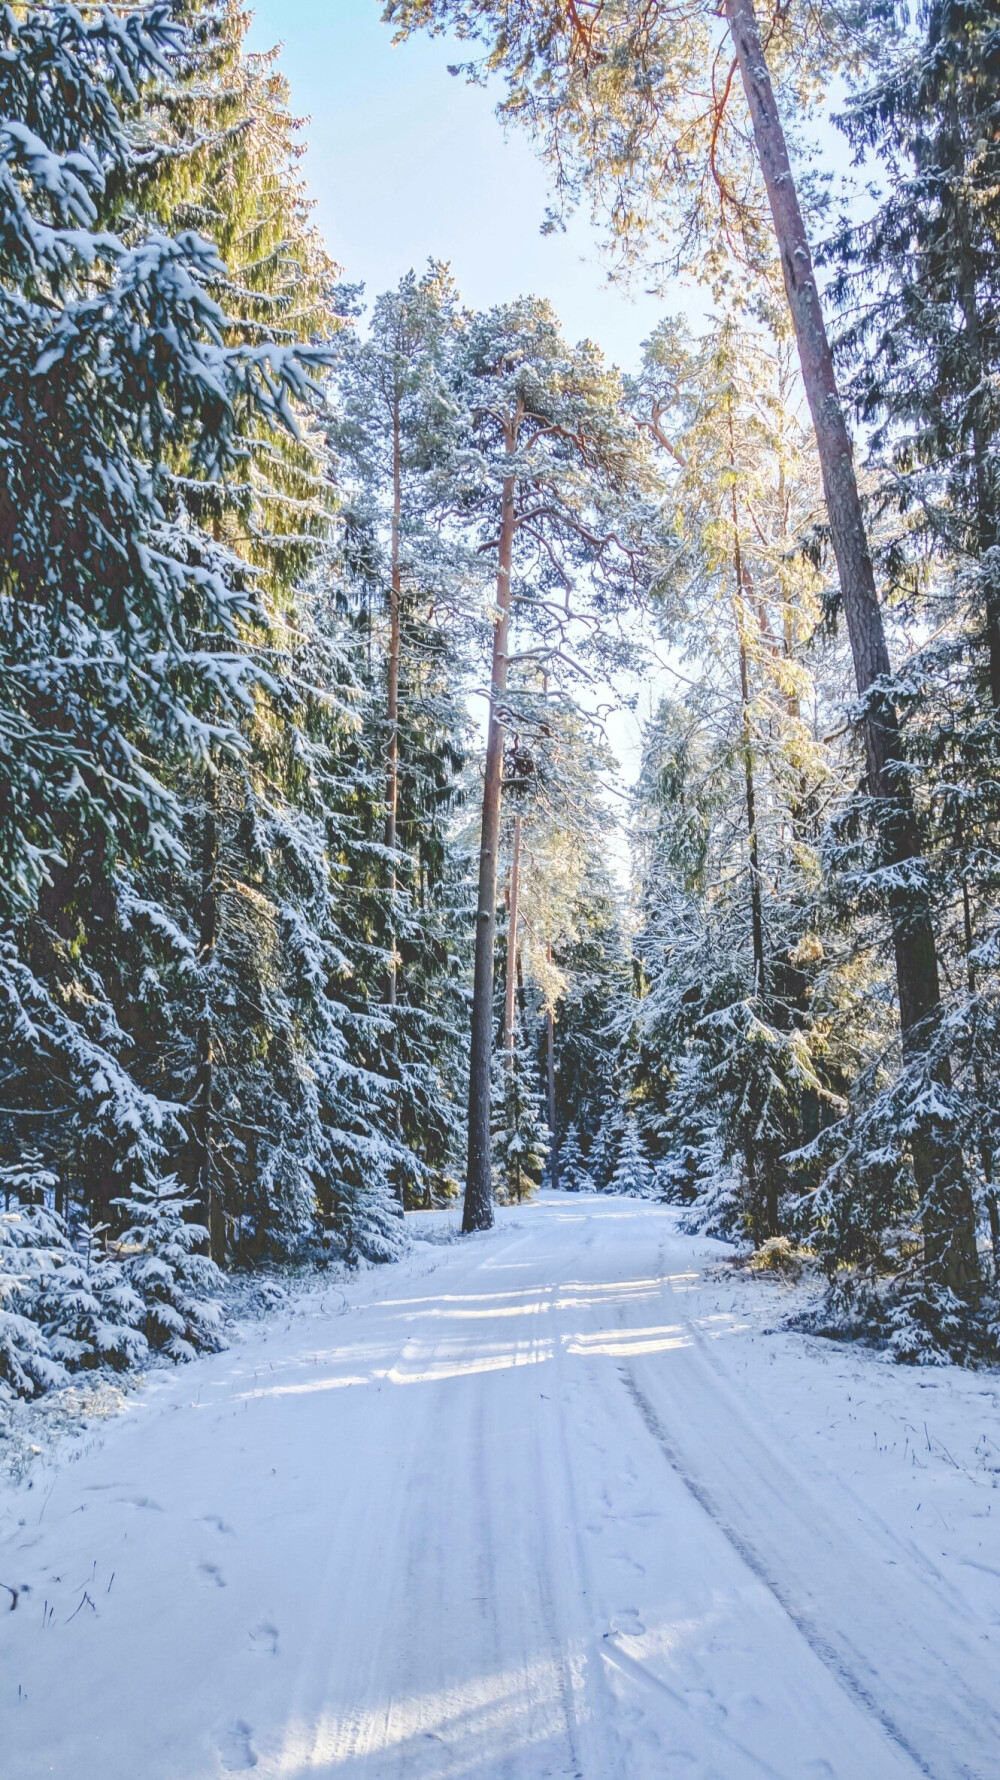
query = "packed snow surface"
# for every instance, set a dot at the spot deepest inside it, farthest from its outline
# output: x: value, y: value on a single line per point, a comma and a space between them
x: 557, y: 1500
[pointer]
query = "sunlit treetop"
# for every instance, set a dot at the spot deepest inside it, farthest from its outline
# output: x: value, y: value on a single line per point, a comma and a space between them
x: 638, y: 108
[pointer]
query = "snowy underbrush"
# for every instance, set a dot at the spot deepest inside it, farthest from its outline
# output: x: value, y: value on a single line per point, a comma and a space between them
x: 75, y: 1404
x: 902, y: 1314
x: 430, y: 1227
x: 30, y: 1430
x: 715, y: 1210
x: 892, y: 1307
x: 72, y: 1303
x: 76, y: 1301
x: 915, y: 1321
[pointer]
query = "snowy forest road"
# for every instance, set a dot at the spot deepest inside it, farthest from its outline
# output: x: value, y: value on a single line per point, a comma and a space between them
x: 507, y: 1510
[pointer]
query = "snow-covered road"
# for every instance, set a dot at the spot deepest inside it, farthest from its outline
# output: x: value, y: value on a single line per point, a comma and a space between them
x: 515, y: 1508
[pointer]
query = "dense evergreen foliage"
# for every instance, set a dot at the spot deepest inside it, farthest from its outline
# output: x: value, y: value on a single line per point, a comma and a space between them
x: 267, y: 549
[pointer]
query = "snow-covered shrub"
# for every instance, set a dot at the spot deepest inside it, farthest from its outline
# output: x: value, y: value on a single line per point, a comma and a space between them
x: 718, y: 1208
x: 65, y: 1304
x: 27, y: 1364
x: 365, y: 1214
x: 175, y: 1284
x: 916, y: 1321
x: 87, y: 1310
x: 780, y: 1256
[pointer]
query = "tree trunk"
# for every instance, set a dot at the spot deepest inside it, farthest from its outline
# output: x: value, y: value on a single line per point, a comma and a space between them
x: 392, y: 690
x: 511, y: 980
x: 978, y: 399
x: 478, y: 1209
x: 206, y: 1183
x: 985, y: 1144
x: 739, y: 609
x: 392, y: 761
x: 550, y: 1082
x: 949, y: 1215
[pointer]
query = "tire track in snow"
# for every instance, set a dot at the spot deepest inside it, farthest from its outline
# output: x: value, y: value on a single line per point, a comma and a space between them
x: 818, y: 1643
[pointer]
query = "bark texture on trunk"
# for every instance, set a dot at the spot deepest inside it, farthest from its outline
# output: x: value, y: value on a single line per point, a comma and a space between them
x: 510, y: 984
x: 949, y: 1222
x: 478, y: 1209
x: 392, y: 688
x: 978, y: 396
x: 550, y: 1083
x: 739, y: 613
x: 206, y: 1183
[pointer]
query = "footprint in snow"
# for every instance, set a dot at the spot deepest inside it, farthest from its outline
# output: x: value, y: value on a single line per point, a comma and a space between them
x: 142, y: 1502
x: 706, y: 1705
x: 236, y: 1752
x: 211, y: 1575
x: 627, y: 1623
x: 216, y: 1521
x: 264, y: 1638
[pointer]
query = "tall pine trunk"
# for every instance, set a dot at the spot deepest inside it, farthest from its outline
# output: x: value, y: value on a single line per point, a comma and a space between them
x: 978, y: 390
x: 739, y: 613
x: 206, y: 1181
x: 392, y: 761
x: 949, y: 1215
x: 511, y: 978
x: 550, y: 1083
x: 478, y: 1208
x: 392, y: 689
x: 762, y: 1180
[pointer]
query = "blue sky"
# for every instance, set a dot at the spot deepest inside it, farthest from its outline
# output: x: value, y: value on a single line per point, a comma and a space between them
x: 406, y: 161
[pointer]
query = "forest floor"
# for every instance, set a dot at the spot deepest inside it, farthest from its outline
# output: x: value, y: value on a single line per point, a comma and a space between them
x: 559, y: 1500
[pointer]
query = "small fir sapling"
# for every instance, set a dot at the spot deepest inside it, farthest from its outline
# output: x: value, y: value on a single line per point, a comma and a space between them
x: 159, y: 1255
x: 27, y: 1364
x: 573, y: 1176
x: 632, y: 1177
x: 520, y: 1134
x: 606, y: 1146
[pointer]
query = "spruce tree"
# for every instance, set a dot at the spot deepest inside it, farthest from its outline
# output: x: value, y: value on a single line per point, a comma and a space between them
x: 119, y: 367
x: 632, y: 1176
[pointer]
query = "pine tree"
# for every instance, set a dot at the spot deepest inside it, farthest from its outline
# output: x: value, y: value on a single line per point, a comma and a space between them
x: 28, y: 1246
x: 393, y: 433
x: 549, y: 485
x: 616, y: 99
x: 918, y: 288
x: 606, y: 1145
x: 594, y: 1008
x: 728, y: 841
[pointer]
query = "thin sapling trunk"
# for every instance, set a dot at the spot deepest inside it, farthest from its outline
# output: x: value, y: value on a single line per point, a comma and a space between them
x: 478, y: 1208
